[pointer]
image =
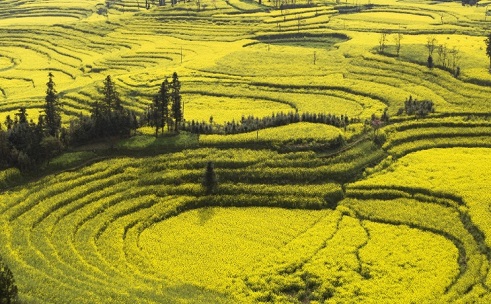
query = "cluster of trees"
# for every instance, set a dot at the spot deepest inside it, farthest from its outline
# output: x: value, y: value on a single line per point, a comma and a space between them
x: 418, y: 108
x: 8, y: 289
x: 25, y: 143
x: 384, y: 38
x: 448, y: 58
x: 251, y: 123
x: 108, y: 118
x: 167, y: 107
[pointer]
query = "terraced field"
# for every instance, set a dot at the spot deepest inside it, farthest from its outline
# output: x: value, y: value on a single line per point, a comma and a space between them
x: 295, y: 219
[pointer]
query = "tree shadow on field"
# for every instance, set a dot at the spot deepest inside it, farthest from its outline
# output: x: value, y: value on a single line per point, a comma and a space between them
x: 205, y: 214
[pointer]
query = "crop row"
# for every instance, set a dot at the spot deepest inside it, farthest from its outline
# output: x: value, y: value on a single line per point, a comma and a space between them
x: 453, y: 179
x: 413, y: 135
x: 434, y: 218
x: 447, y: 92
x: 65, y: 224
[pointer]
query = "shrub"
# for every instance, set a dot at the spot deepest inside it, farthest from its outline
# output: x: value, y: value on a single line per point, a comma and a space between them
x: 8, y: 290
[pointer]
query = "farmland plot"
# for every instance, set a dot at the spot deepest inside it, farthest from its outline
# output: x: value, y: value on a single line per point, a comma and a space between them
x: 396, y: 214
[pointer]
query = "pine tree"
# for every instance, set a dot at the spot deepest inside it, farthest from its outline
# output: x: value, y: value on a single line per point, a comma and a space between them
x: 210, y: 181
x: 177, y: 109
x: 111, y: 98
x: 107, y: 115
x: 4, y: 148
x: 21, y: 116
x: 9, y: 123
x: 52, y: 109
x: 161, y: 107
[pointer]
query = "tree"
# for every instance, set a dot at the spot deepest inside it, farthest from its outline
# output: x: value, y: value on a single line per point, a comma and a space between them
x: 430, y: 62
x: 488, y: 49
x: 455, y: 56
x: 398, y: 39
x: 108, y: 117
x: 160, y: 107
x: 103, y: 10
x: 50, y: 147
x: 210, y: 181
x: 8, y: 290
x: 443, y: 55
x: 111, y: 98
x: 382, y: 40
x: 430, y: 45
x: 24, y: 138
x: 4, y: 148
x: 21, y: 116
x: 177, y: 108
x: 9, y: 123
x: 52, y: 109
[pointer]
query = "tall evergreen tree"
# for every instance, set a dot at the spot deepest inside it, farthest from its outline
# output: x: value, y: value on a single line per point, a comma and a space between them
x: 164, y: 102
x: 4, y: 148
x: 52, y: 109
x: 210, y: 181
x: 21, y: 116
x: 9, y: 123
x: 111, y: 98
x: 109, y: 116
x: 488, y: 49
x: 177, y: 109
x: 159, y: 111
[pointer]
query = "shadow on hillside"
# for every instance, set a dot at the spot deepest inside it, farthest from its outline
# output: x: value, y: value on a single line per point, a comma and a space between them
x: 205, y: 214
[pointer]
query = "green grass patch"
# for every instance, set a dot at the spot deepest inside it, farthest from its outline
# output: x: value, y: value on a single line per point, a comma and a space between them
x: 163, y: 143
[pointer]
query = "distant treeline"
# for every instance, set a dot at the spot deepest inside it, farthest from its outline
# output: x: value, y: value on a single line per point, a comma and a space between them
x: 251, y: 123
x: 27, y: 144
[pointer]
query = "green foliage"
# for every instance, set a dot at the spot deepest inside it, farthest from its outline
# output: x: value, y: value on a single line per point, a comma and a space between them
x: 25, y: 144
x: 111, y: 100
x: 8, y: 289
x: 210, y: 181
x: 177, y: 106
x: 52, y: 109
x: 251, y: 123
x: 9, y: 177
x: 418, y: 108
x: 108, y: 118
x: 70, y: 159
